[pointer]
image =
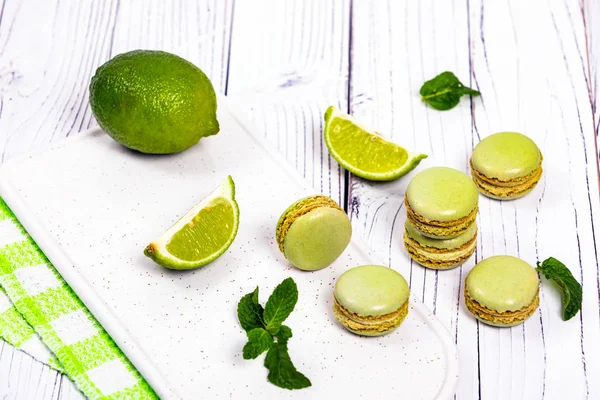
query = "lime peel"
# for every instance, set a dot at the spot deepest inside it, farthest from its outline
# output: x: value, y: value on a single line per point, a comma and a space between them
x: 161, y: 249
x: 364, y: 152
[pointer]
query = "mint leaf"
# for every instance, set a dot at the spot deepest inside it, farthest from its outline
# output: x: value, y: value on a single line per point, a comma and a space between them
x: 444, y: 91
x: 250, y: 312
x: 281, y: 370
x: 285, y: 333
x: 571, y: 291
x: 259, y: 341
x: 280, y: 304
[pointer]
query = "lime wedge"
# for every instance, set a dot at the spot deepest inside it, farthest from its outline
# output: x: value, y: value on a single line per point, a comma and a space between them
x: 365, y: 152
x: 201, y: 235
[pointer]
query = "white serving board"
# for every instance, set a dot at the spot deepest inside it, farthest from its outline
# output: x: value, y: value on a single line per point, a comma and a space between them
x: 93, y: 205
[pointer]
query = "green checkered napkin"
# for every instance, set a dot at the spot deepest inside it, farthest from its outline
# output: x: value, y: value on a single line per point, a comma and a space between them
x: 38, y: 309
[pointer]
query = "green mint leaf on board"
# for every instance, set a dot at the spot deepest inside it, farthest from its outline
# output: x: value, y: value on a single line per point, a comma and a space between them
x: 444, y: 91
x: 284, y: 334
x: 263, y: 326
x: 572, y: 294
x: 259, y: 341
x: 282, y: 372
x: 280, y: 304
x: 250, y: 312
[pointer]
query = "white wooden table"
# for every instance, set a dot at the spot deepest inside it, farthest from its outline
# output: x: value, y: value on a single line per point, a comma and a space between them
x: 536, y: 63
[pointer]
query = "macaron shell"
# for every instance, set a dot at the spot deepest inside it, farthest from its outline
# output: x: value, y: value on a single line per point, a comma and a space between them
x: 514, y: 196
x: 371, y: 290
x: 372, y: 334
x: 506, y: 156
x: 499, y: 324
x: 503, y: 283
x: 317, y: 238
x: 442, y: 194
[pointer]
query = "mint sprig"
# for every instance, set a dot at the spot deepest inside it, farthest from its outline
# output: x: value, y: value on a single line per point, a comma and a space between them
x: 444, y: 91
x: 265, y: 332
x: 572, y: 293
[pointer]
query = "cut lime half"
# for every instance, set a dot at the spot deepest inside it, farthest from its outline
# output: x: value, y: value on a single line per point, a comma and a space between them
x: 365, y: 152
x: 201, y: 235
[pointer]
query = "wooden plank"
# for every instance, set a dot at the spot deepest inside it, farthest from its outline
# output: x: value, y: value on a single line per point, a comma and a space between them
x: 289, y: 61
x: 591, y: 15
x: 44, y: 78
x: 534, y: 81
x: 537, y: 83
x: 197, y: 31
x: 48, y: 69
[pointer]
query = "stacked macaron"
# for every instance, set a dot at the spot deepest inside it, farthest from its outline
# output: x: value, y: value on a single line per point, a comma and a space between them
x: 441, y: 206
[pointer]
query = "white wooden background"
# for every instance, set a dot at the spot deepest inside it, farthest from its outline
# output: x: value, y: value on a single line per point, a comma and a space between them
x: 283, y: 62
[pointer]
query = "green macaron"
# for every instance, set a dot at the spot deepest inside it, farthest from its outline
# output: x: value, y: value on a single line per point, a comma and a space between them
x: 441, y: 202
x: 502, y: 291
x: 371, y: 300
x: 506, y: 165
x: 313, y: 232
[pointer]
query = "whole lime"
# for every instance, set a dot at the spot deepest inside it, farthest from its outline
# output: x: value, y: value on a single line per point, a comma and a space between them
x: 154, y: 102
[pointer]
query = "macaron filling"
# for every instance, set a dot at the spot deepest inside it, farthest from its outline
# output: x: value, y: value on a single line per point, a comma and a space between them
x: 439, y: 260
x: 370, y: 325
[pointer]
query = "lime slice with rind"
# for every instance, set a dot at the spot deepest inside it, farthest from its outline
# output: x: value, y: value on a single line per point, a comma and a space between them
x: 365, y: 152
x: 202, y: 234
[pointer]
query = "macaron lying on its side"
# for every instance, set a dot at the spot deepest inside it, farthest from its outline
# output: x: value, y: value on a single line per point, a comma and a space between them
x: 440, y: 253
x: 441, y: 202
x: 371, y: 300
x: 506, y: 165
x: 502, y: 291
x: 313, y: 232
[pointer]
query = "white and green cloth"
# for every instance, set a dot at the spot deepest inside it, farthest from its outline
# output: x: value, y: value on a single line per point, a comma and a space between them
x: 41, y: 315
